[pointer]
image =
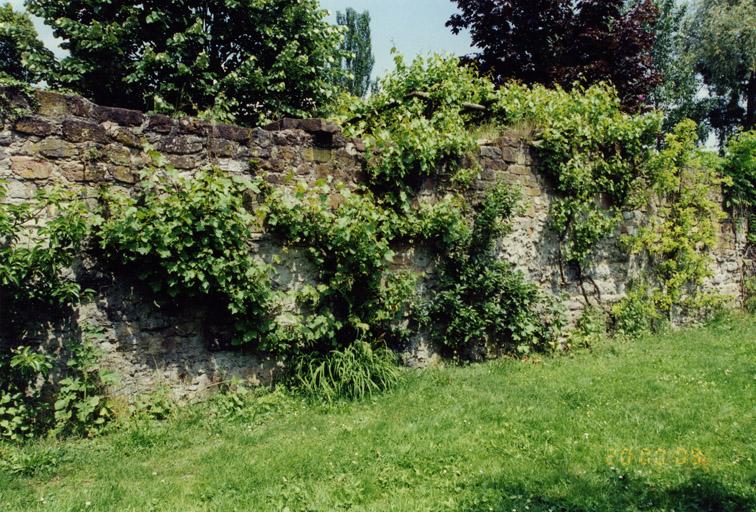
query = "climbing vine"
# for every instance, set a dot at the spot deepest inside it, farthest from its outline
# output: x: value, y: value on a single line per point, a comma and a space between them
x: 592, y: 150
x: 419, y: 123
x: 189, y: 237
x: 347, y: 236
x: 480, y: 304
x: 192, y: 237
x: 39, y: 239
x: 684, y: 210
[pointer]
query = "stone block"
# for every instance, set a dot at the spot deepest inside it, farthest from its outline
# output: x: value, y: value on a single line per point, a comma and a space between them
x: 181, y: 145
x: 52, y: 104
x: 95, y: 172
x: 191, y: 126
x: 31, y: 168
x: 124, y: 136
x: 230, y: 132
x: 184, y: 162
x: 320, y: 155
x: 161, y: 123
x: 510, y: 154
x: 6, y: 137
x: 53, y: 148
x: 222, y: 148
x: 33, y: 125
x: 490, y: 152
x: 72, y: 171
x: 76, y: 130
x: 118, y: 155
x: 121, y: 116
x: 123, y: 174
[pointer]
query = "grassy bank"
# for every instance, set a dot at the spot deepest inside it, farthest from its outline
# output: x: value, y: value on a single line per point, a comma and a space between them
x: 662, y: 423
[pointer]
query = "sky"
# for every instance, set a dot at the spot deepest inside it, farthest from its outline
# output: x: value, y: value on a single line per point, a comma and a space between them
x: 414, y: 27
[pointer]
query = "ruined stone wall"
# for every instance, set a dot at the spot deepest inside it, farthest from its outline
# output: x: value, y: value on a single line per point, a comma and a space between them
x: 71, y: 142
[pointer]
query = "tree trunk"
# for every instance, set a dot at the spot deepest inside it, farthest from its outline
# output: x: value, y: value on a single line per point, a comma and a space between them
x: 750, y: 102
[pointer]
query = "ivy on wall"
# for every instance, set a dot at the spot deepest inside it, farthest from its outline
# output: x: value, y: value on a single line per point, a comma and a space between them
x: 683, y: 213
x: 189, y: 237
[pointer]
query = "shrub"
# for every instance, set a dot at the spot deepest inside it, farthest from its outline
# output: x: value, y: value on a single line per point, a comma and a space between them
x: 681, y: 228
x: 590, y: 148
x: 81, y: 404
x: 478, y: 300
x: 34, y: 252
x: 637, y: 313
x: 355, y: 372
x: 740, y: 166
x: 350, y: 245
x: 749, y: 286
x: 248, y: 61
x: 23, y: 413
x: 590, y: 328
x: 17, y: 416
x: 192, y: 237
x: 417, y: 121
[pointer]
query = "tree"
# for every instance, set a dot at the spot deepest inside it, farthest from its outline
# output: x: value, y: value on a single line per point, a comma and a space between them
x: 23, y: 57
x: 357, y: 49
x: 562, y: 42
x: 244, y: 61
x: 518, y: 39
x: 678, y: 93
x: 722, y: 44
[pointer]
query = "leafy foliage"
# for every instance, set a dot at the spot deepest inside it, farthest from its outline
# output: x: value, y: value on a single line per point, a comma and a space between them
x: 722, y: 46
x: 590, y: 148
x: 23, y: 413
x: 355, y: 372
x: 192, y: 237
x: 637, y: 313
x: 677, y: 95
x: 17, y: 416
x: 81, y: 405
x: 750, y: 294
x: 480, y: 302
x: 410, y: 136
x: 740, y: 166
x: 350, y: 246
x: 23, y: 56
x: 237, y: 403
x: 687, y: 214
x: 357, y: 48
x: 34, y: 252
x: 243, y: 61
x: 559, y: 42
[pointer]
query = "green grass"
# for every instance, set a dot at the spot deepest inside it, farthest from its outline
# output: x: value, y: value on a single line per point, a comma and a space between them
x: 503, y: 436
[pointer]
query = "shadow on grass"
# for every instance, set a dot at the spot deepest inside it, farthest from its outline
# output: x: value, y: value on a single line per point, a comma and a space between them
x: 700, y: 493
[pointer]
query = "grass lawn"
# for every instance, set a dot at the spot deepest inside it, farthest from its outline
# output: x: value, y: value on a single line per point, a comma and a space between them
x: 662, y: 423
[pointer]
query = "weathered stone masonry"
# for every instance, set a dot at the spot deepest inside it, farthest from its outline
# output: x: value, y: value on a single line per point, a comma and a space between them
x: 71, y: 142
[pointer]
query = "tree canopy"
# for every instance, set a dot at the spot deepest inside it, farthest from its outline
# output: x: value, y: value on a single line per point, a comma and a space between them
x: 22, y: 55
x: 562, y: 42
x: 722, y: 46
x: 227, y: 59
x: 357, y: 59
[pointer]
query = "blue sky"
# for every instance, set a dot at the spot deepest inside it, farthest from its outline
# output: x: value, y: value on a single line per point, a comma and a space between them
x: 412, y: 26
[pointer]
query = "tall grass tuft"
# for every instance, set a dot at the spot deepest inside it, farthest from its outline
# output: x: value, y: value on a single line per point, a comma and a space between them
x: 355, y: 372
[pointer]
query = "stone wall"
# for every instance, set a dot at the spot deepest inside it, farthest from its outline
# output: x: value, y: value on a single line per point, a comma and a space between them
x: 72, y: 142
